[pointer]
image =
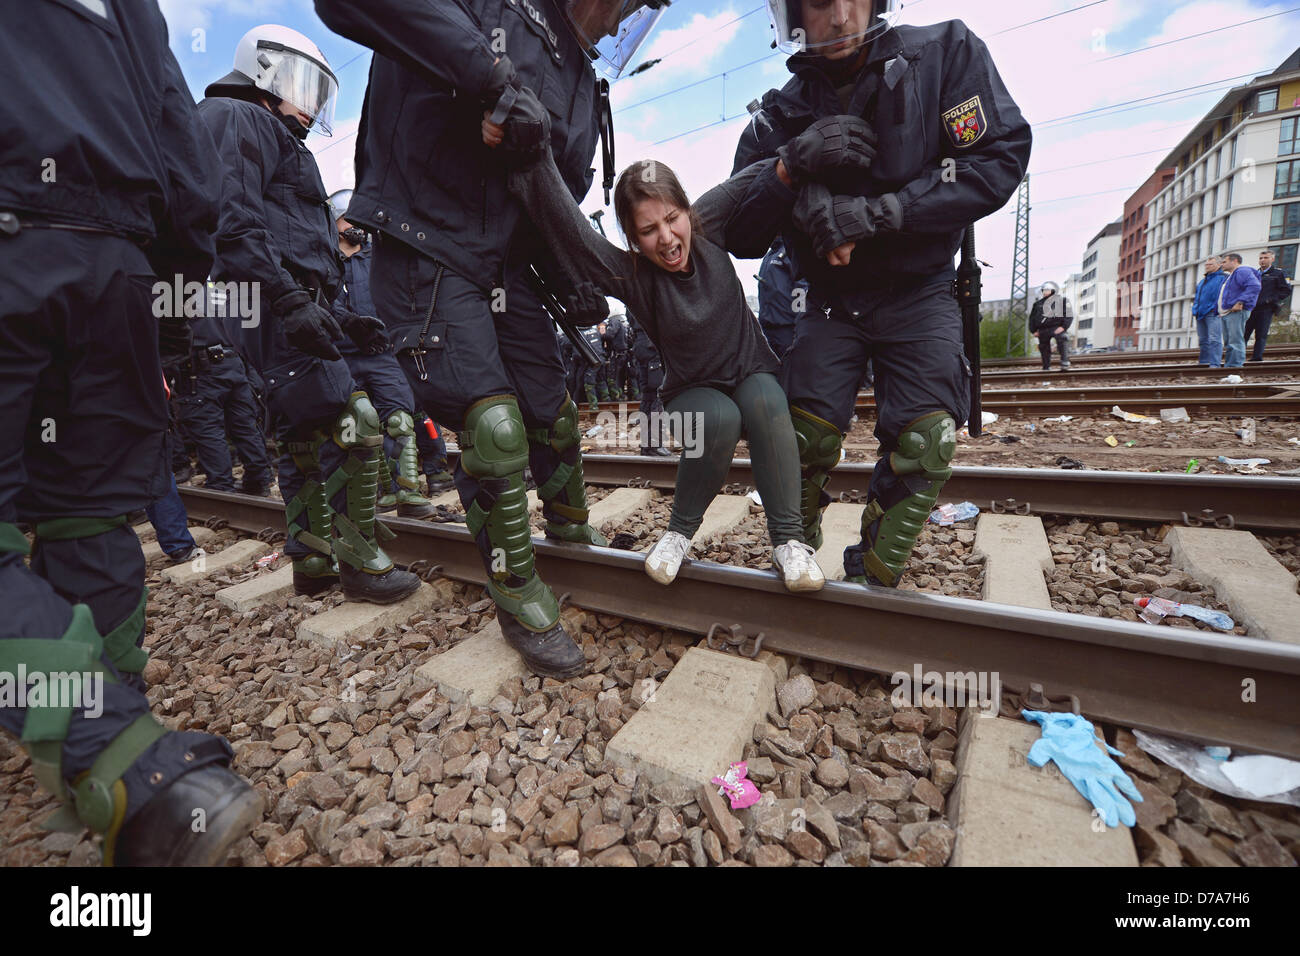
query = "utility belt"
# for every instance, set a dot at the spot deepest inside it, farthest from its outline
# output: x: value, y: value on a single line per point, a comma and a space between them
x: 203, y: 358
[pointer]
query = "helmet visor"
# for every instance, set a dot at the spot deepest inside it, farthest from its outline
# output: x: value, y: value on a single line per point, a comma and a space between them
x: 301, y: 81
x: 613, y: 30
x: 818, y: 28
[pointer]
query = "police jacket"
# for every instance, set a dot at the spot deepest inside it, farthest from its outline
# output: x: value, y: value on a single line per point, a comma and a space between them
x: 777, y: 282
x: 354, y: 294
x: 1049, y: 314
x: 643, y: 350
x: 1273, y: 288
x: 616, y: 334
x: 275, y: 227
x: 424, y: 176
x: 592, y: 335
x: 952, y: 146
x: 98, y: 128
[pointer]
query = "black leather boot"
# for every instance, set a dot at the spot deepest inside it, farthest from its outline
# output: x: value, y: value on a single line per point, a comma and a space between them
x: 163, y: 832
x: 551, y: 653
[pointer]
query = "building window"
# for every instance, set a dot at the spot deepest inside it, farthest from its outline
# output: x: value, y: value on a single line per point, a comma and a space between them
x: 1286, y: 222
x: 1289, y: 140
x: 1266, y: 102
x: 1284, y: 257
x: 1232, y: 161
x: 1218, y: 162
x: 1227, y: 202
x: 1287, y: 181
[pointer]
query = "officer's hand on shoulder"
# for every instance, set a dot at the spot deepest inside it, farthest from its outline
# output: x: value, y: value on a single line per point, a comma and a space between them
x: 832, y: 143
x: 307, y: 326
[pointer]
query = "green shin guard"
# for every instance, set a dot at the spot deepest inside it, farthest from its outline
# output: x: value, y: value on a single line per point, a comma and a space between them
x: 355, y: 534
x: 819, y: 451
x: 592, y: 404
x: 308, y: 517
x: 401, y: 426
x: 98, y: 799
x: 564, y: 495
x: 923, y: 462
x: 494, y: 451
x: 387, y: 499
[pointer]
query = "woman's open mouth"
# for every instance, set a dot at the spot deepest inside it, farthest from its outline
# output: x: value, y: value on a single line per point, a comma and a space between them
x: 673, y: 257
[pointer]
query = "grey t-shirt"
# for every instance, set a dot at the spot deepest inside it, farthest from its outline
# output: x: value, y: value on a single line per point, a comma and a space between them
x: 700, y: 321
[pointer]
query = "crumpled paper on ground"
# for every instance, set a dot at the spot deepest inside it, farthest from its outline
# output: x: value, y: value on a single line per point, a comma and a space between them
x: 1133, y: 417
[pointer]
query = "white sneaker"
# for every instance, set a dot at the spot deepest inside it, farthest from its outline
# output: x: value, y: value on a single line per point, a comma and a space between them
x: 795, y: 561
x: 665, y: 558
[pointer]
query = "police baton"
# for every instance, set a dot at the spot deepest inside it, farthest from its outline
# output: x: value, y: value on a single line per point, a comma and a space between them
x: 561, y: 317
x: 968, y: 299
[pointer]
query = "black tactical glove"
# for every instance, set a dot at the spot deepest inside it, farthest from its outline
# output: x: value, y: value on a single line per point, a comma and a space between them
x: 830, y: 221
x: 831, y: 143
x: 586, y: 306
x: 502, y: 83
x: 527, y: 128
x: 366, y: 331
x: 307, y: 327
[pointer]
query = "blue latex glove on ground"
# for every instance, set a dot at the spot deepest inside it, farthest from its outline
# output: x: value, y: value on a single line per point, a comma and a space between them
x: 1072, y: 742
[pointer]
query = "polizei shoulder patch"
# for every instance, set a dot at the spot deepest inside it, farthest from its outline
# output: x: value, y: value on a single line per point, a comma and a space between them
x: 966, y: 123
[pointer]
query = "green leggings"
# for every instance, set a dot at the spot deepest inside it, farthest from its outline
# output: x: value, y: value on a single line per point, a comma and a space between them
x: 709, y: 423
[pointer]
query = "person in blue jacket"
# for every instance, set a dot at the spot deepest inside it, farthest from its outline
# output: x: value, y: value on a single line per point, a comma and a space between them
x: 1205, y: 310
x: 1237, y: 299
x: 947, y: 145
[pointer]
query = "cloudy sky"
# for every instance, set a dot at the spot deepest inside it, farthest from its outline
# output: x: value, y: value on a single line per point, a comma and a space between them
x: 1110, y: 86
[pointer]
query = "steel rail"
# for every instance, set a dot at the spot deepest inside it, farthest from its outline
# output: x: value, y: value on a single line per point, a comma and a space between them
x: 1158, y: 679
x: 1170, y: 373
x: 1257, y: 503
x: 1133, y: 357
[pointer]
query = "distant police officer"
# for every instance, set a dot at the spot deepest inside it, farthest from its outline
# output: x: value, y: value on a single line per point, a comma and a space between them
x: 650, y: 376
x: 782, y: 298
x: 1050, y: 318
x: 450, y: 271
x: 873, y: 215
x: 276, y: 230
x: 591, y: 378
x: 616, y: 347
x: 215, y: 406
x: 376, y: 372
x: 107, y: 185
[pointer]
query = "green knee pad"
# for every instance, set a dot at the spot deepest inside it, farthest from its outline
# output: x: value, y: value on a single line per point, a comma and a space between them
x: 926, y: 449
x: 98, y: 800
x: 819, y: 451
x: 494, y: 442
x: 355, y: 535
x: 401, y: 425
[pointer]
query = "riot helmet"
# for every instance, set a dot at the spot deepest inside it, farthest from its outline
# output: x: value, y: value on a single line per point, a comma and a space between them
x: 1048, y: 288
x: 286, y: 66
x: 829, y: 28
x: 612, y: 31
x: 339, y: 202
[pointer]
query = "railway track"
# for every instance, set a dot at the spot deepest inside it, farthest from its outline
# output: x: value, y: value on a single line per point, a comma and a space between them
x: 1180, y: 682
x: 1287, y: 351
x: 1069, y: 378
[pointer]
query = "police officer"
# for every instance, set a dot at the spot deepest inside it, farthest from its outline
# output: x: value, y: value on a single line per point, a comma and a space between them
x: 1273, y: 291
x: 213, y: 400
x: 650, y: 371
x: 450, y: 271
x: 376, y: 372
x: 1050, y: 318
x: 782, y: 298
x: 592, y: 377
x: 107, y: 186
x: 882, y: 148
x: 276, y: 230
x: 616, y: 346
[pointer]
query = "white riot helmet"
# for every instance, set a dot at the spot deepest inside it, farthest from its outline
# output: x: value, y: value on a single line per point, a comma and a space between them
x: 611, y: 31
x: 288, y: 66
x: 339, y: 202
x: 1049, y: 288
x: 793, y: 35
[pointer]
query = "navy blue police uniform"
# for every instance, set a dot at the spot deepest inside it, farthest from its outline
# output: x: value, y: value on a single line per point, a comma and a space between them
x: 276, y: 230
x: 782, y: 298
x: 107, y: 187
x: 952, y: 148
x: 450, y: 270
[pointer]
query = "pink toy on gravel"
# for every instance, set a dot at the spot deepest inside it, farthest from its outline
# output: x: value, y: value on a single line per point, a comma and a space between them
x: 742, y: 792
